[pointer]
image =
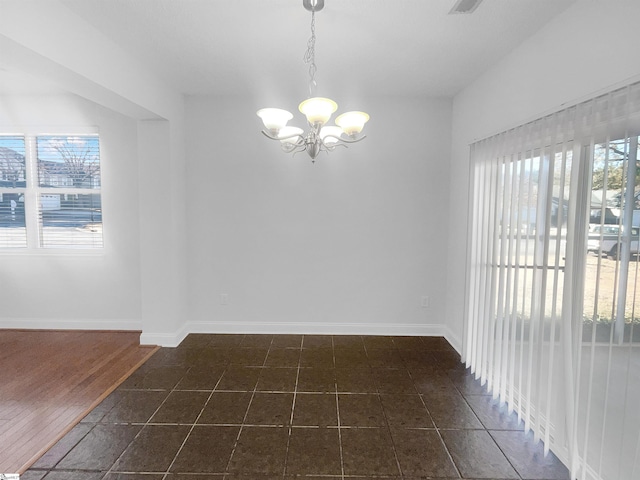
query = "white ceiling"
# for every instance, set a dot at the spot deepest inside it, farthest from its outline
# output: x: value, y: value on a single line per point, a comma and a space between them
x: 364, y: 47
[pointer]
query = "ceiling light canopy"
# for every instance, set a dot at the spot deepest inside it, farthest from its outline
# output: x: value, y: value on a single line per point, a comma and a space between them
x: 318, y: 110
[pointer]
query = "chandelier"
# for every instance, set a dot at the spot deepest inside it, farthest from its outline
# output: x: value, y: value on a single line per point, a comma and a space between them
x: 318, y: 110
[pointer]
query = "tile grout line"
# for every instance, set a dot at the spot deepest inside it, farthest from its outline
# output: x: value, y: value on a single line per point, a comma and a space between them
x: 485, y: 429
x: 503, y: 454
x: 446, y: 449
x: 168, y: 472
x: 437, y: 429
x: 386, y: 420
x: 246, y: 413
x: 335, y: 387
x: 293, y: 406
x: 144, y: 424
x: 48, y: 470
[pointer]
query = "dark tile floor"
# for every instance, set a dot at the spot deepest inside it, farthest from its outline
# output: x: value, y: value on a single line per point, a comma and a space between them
x: 239, y: 407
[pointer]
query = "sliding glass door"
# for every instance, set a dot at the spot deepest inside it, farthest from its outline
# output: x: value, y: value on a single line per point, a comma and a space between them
x: 553, y: 309
x: 609, y: 363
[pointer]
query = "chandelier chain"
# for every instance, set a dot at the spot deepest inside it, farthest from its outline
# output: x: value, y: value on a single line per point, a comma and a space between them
x: 310, y: 56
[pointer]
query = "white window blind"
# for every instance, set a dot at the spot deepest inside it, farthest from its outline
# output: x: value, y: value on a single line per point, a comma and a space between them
x: 13, y: 175
x: 57, y: 201
x: 553, y: 308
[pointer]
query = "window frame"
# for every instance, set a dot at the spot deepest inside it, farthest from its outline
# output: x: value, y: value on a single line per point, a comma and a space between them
x: 32, y: 191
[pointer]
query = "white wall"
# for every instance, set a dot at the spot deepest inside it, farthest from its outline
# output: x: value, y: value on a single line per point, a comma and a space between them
x: 163, y: 231
x: 588, y: 49
x: 79, y: 291
x: 144, y: 288
x: 346, y: 245
x: 139, y: 281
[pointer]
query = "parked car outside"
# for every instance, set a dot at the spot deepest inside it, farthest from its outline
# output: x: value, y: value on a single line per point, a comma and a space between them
x: 606, y: 240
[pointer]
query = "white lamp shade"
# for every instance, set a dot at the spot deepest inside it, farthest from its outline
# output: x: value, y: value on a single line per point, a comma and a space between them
x: 318, y: 110
x: 274, y: 118
x: 352, y: 123
x: 333, y: 131
x: 288, y: 131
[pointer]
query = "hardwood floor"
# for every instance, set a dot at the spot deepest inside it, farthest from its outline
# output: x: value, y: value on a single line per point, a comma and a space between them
x: 50, y: 379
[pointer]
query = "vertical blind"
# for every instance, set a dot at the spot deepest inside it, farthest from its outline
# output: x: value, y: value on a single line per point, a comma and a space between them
x: 553, y: 298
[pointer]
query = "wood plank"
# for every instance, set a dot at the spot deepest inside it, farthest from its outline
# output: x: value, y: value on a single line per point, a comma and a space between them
x: 49, y: 380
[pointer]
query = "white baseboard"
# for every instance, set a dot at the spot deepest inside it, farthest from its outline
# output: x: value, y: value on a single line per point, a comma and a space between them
x: 319, y: 328
x: 165, y: 339
x: 453, y: 339
x: 69, y: 324
x: 301, y: 328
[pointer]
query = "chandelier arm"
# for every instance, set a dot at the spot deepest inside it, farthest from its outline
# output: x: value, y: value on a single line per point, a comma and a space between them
x: 344, y: 140
x: 268, y: 135
x: 330, y: 136
x: 292, y: 148
x: 297, y: 151
x: 330, y: 147
x: 300, y: 140
x: 356, y: 140
x: 339, y: 145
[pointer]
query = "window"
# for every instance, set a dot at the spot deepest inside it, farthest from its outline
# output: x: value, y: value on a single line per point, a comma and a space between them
x: 50, y: 192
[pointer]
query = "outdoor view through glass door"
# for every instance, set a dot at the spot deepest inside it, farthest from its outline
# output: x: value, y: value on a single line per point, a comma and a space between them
x: 612, y: 299
x: 609, y: 362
